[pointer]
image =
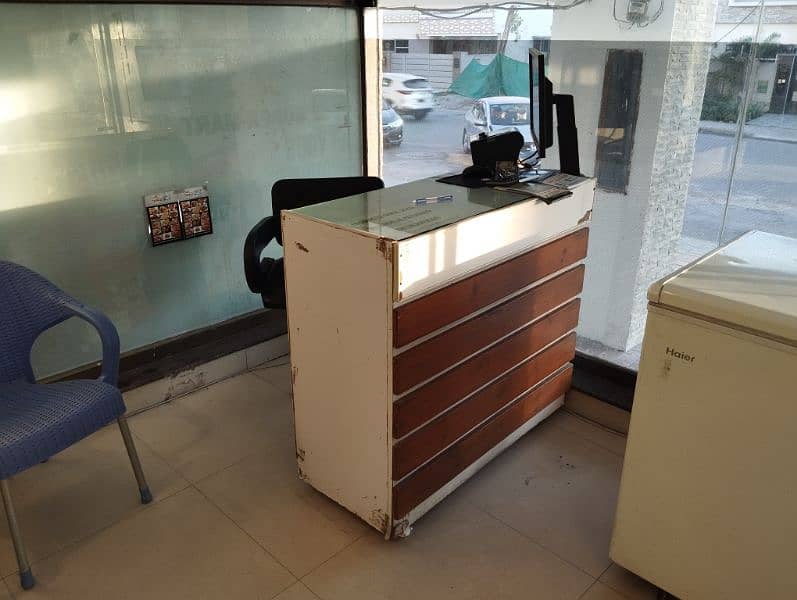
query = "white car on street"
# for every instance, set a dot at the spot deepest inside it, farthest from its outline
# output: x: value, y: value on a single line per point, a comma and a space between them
x: 408, y: 94
x: 497, y: 114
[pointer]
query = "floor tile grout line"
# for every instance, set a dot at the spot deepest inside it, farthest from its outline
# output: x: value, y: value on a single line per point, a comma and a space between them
x: 346, y: 547
x: 314, y: 569
x: 225, y: 468
x: 608, y: 585
x: 307, y: 587
x: 285, y: 589
x: 535, y: 542
x: 156, y: 499
x: 589, y: 441
x: 271, y: 383
x: 594, y: 423
x: 585, y: 592
x: 74, y: 543
x: 264, y: 365
x: 149, y: 447
x: 614, y: 589
x: 235, y: 463
x: 298, y: 578
x: 8, y: 587
x: 176, y: 468
x: 247, y: 534
x: 170, y: 400
x: 611, y: 562
x: 589, y: 422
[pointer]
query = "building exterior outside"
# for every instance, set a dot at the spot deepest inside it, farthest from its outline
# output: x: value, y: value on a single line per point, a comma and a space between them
x: 775, y: 78
x: 738, y: 19
x: 637, y: 233
x: 440, y: 48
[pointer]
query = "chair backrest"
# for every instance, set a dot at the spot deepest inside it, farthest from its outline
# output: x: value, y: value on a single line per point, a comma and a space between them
x: 29, y: 304
x: 287, y: 194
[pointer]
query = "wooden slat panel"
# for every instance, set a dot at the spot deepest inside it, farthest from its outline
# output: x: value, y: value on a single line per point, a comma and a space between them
x: 413, y: 490
x: 428, y: 401
x: 423, y: 316
x: 437, y: 354
x: 421, y: 445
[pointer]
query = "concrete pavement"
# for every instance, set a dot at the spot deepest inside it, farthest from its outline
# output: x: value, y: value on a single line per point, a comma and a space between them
x: 776, y: 128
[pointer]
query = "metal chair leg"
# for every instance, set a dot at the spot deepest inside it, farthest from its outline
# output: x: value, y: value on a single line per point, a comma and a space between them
x: 146, y: 495
x: 25, y: 575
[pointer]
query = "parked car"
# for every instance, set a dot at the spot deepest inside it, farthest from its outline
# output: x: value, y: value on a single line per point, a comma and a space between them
x: 392, y: 126
x: 408, y: 94
x: 496, y: 114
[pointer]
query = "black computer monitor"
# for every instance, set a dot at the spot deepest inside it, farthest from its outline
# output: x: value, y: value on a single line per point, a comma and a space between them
x: 541, y: 103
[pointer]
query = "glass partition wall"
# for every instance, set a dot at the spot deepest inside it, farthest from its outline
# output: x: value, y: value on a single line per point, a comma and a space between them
x: 687, y: 117
x: 102, y: 104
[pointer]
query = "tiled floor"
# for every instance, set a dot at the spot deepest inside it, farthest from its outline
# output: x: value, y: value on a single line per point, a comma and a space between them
x: 232, y: 520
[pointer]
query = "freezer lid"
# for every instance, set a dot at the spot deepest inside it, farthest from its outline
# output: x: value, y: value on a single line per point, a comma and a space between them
x: 751, y: 283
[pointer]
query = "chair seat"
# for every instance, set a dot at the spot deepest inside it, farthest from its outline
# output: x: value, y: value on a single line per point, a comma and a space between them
x: 38, y: 421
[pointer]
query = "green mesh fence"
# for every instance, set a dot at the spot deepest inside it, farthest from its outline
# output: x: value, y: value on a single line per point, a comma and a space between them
x: 504, y: 76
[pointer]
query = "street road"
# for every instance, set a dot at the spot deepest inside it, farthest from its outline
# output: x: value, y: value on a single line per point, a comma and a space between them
x: 764, y: 193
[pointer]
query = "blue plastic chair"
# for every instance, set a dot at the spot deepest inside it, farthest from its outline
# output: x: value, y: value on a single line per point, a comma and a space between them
x: 38, y: 421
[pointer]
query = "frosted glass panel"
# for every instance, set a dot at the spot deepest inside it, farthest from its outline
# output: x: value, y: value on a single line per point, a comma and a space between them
x: 102, y: 104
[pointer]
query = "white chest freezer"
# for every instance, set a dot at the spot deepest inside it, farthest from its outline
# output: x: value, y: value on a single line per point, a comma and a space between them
x: 708, y: 498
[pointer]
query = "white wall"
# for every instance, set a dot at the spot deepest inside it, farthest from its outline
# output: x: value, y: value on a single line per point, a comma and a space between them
x: 594, y: 21
x: 634, y: 235
x: 400, y: 31
x: 617, y: 219
x: 534, y: 23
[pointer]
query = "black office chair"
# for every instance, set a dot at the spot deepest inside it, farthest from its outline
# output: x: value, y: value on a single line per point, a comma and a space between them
x: 266, y: 276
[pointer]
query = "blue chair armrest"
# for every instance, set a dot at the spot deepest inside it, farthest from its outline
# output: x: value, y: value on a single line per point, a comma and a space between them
x: 108, y: 336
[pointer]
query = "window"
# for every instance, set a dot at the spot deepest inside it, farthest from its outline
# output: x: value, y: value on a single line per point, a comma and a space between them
x: 698, y: 186
x: 139, y: 113
x: 478, y: 113
x: 417, y: 84
x: 397, y: 46
x: 509, y: 114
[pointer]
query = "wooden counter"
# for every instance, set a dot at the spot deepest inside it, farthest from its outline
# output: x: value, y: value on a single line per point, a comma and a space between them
x: 426, y: 339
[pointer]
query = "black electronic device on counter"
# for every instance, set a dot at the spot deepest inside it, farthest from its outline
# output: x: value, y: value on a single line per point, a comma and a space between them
x: 487, y: 150
x: 495, y: 161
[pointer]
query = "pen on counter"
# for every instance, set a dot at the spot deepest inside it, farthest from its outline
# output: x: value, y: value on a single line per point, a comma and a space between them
x: 433, y: 199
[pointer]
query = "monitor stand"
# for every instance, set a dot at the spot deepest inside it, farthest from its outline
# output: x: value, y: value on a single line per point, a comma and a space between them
x: 567, y: 134
x: 567, y: 137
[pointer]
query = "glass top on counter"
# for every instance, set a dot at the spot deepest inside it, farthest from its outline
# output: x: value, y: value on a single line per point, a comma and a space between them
x: 394, y: 214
